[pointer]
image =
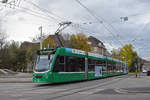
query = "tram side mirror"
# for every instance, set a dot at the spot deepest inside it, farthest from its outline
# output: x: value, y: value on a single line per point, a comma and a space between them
x: 48, y: 56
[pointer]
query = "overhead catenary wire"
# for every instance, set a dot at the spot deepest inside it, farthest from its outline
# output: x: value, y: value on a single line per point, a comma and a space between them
x: 38, y: 13
x: 90, y: 32
x: 46, y: 11
x: 34, y: 13
x: 19, y: 2
x: 100, y: 21
x: 145, y: 26
x: 135, y: 40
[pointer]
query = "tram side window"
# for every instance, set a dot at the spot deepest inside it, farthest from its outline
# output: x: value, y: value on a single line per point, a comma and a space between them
x: 119, y: 67
x: 114, y: 68
x: 91, y: 65
x: 75, y: 64
x: 109, y: 66
x: 103, y: 64
x: 59, y: 64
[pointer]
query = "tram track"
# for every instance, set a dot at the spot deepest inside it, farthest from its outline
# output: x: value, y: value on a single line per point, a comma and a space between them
x: 54, y: 92
x: 45, y: 86
x: 72, y: 91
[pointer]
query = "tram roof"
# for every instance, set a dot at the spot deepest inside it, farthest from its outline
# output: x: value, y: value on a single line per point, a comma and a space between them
x: 93, y: 55
x: 81, y: 53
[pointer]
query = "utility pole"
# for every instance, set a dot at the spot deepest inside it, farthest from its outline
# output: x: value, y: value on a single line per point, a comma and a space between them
x: 41, y: 35
x: 106, y: 65
x: 86, y: 66
x: 126, y: 64
x: 136, y: 69
x: 136, y: 66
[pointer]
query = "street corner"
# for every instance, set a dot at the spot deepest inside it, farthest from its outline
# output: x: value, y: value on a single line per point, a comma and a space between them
x: 137, y: 90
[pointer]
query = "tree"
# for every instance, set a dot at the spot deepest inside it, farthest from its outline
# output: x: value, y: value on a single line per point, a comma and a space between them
x: 80, y: 41
x: 66, y: 36
x: 3, y: 38
x: 128, y: 54
x: 38, y: 37
x: 31, y: 55
x: 73, y: 41
x: 14, y: 58
x: 48, y: 42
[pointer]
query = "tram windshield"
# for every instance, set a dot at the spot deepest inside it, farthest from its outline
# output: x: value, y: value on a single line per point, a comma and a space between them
x: 43, y: 62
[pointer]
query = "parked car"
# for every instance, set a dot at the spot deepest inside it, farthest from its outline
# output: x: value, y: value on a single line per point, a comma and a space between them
x: 144, y: 71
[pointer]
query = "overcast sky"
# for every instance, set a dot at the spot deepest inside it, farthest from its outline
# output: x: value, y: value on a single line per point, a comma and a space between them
x: 22, y: 23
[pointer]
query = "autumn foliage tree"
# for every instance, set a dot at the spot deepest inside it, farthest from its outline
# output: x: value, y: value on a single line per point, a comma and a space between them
x: 80, y: 41
x: 126, y: 53
x: 48, y: 42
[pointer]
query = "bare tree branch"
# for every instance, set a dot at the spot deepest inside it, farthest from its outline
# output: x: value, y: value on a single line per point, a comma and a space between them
x: 3, y: 38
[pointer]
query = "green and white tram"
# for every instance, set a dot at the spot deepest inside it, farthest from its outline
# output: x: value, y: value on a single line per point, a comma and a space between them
x: 67, y: 65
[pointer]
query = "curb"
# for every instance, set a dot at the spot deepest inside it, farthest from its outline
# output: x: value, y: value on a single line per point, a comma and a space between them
x: 130, y: 91
x: 16, y: 82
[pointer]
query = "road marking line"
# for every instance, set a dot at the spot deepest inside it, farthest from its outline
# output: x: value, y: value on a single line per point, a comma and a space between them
x: 120, y: 91
x: 91, y: 91
x: 16, y: 95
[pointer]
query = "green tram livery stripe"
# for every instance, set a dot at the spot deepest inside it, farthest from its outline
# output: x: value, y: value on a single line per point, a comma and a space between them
x: 60, y: 60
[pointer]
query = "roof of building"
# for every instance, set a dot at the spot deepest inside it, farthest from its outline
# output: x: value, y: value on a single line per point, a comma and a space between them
x: 56, y: 40
x: 95, y: 42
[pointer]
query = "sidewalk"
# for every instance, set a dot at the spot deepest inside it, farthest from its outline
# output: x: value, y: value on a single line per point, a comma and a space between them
x: 18, y: 75
x: 17, y: 78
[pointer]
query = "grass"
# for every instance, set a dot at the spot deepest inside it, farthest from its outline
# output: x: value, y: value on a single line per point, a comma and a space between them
x: 1, y: 73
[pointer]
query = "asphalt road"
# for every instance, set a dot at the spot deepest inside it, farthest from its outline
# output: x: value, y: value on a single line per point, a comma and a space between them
x: 125, y: 87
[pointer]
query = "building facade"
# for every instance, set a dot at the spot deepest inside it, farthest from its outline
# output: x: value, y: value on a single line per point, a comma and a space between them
x: 97, y: 46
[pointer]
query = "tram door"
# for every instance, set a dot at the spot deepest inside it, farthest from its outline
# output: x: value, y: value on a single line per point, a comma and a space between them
x: 86, y: 68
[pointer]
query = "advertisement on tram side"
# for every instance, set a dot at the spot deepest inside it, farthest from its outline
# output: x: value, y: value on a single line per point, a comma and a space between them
x: 98, y: 71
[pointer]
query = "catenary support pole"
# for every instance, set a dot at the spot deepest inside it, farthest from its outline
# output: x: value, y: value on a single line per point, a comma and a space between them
x: 86, y: 67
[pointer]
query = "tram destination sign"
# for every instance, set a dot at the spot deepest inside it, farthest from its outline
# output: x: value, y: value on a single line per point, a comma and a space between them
x: 44, y: 52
